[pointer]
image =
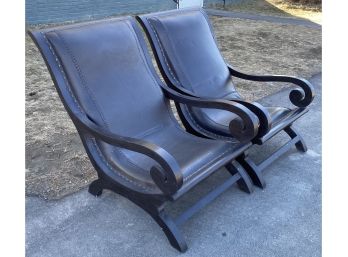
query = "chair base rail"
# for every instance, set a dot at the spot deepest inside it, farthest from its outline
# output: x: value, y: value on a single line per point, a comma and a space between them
x: 169, y: 225
x: 239, y: 176
x: 244, y: 172
x: 255, y: 170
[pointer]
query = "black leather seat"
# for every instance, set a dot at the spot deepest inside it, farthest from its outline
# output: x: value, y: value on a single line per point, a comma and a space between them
x: 191, y: 63
x: 196, y: 158
x: 120, y: 107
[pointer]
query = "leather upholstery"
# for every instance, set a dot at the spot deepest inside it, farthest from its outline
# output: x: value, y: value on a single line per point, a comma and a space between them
x: 191, y: 60
x: 191, y: 53
x: 110, y: 75
x: 217, y: 121
x: 278, y: 114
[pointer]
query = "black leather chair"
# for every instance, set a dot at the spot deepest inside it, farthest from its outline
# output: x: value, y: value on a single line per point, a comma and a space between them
x: 120, y: 107
x: 190, y: 62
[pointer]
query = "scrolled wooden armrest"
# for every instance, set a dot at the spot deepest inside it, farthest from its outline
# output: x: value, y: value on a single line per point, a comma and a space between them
x: 167, y: 175
x: 300, y: 97
x: 244, y: 129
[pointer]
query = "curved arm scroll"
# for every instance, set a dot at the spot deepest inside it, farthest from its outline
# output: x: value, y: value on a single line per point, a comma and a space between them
x: 167, y: 175
x: 244, y: 130
x: 262, y: 114
x: 301, y: 97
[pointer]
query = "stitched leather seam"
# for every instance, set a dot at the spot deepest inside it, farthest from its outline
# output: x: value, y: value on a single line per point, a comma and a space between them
x: 160, y: 45
x: 149, y: 131
x: 82, y: 78
x: 146, y: 65
x: 85, y: 84
x: 142, y: 54
x: 208, y: 163
x: 162, y: 51
x: 80, y: 109
x: 150, y: 73
x: 198, y: 126
x: 98, y: 150
x: 172, y: 74
x: 178, y: 67
x: 119, y: 173
x: 62, y: 72
x: 128, y: 160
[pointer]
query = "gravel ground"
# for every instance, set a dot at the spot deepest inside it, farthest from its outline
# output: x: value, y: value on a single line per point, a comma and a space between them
x: 56, y: 163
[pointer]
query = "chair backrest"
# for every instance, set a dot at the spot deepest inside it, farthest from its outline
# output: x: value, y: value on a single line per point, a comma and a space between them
x: 107, y: 74
x: 185, y: 45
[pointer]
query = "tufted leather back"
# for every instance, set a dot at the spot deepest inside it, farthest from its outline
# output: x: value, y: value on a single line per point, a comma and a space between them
x: 189, y: 53
x: 102, y: 60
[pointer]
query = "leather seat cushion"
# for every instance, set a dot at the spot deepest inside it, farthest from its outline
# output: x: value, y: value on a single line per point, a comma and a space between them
x: 217, y: 121
x: 193, y: 154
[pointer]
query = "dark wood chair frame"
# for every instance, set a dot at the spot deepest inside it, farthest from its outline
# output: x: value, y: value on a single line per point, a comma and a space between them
x: 167, y: 175
x: 301, y: 96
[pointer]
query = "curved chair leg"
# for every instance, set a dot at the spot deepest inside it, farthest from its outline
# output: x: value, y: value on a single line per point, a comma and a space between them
x: 244, y: 183
x: 96, y: 188
x: 253, y: 171
x: 167, y: 224
x: 171, y: 230
x: 300, y: 145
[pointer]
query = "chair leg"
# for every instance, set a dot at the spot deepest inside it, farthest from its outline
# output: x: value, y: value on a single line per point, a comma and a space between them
x: 171, y: 230
x: 167, y: 224
x: 96, y: 188
x: 253, y: 171
x: 244, y: 183
x: 300, y: 145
